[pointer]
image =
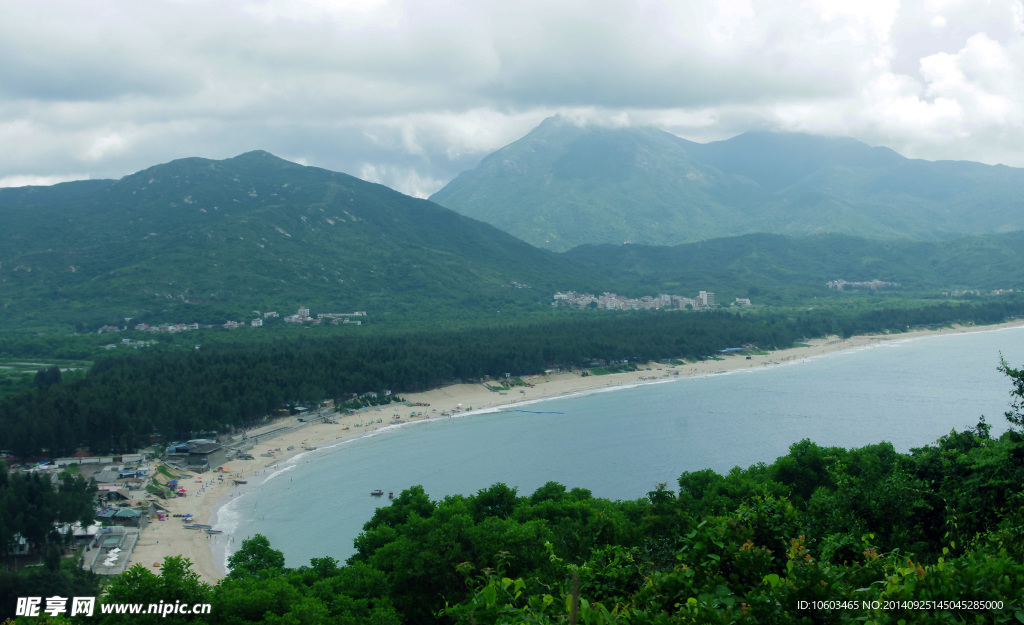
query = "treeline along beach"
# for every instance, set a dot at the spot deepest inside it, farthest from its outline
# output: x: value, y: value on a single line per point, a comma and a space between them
x: 175, y: 391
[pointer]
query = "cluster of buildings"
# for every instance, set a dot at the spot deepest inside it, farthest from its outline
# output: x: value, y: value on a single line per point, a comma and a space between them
x: 979, y: 293
x: 302, y: 316
x: 872, y: 285
x: 611, y: 301
x: 163, y: 327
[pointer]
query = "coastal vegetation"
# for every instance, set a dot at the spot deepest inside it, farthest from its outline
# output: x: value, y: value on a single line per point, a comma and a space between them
x: 821, y: 535
x: 37, y: 514
x: 178, y: 391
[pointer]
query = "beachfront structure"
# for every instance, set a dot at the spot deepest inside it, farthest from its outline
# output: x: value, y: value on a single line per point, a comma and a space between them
x: 200, y: 454
x: 129, y: 517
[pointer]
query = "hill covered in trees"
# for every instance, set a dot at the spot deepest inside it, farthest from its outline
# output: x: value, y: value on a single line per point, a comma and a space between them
x: 777, y: 268
x: 197, y: 241
x: 565, y: 185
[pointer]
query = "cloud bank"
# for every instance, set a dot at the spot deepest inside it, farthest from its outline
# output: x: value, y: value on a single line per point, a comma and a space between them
x: 409, y: 94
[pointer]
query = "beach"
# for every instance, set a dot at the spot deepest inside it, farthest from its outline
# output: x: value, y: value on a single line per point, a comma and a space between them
x: 209, y: 490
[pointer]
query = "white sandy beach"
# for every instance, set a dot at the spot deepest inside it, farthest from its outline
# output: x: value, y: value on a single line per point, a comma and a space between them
x: 166, y: 538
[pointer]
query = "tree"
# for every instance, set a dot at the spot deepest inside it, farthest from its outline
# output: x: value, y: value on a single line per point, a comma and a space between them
x: 1016, y: 413
x: 176, y: 584
x: 256, y: 559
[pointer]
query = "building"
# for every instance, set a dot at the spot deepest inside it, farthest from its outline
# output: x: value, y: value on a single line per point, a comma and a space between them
x: 122, y: 516
x: 198, y: 454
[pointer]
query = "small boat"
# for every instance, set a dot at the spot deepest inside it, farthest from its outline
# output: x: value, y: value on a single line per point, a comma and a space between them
x: 192, y: 527
x: 240, y: 481
x: 376, y: 493
x: 391, y: 495
x: 200, y: 526
x: 214, y: 531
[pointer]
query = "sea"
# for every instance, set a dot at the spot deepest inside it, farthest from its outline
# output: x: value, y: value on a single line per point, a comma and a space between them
x: 620, y: 443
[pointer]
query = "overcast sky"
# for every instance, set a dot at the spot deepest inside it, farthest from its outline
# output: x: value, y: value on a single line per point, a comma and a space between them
x: 411, y: 93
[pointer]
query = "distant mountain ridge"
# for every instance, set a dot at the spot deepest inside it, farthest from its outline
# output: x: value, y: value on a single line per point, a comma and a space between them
x: 564, y: 185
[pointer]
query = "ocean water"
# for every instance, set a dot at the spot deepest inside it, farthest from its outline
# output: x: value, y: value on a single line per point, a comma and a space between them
x: 621, y: 443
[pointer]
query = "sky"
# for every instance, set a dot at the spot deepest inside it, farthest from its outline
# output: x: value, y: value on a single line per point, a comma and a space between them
x: 410, y: 94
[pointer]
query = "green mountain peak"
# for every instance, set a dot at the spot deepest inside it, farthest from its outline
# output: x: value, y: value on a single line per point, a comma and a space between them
x: 564, y: 185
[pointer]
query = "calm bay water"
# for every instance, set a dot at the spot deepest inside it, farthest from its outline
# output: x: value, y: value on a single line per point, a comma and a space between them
x: 621, y: 443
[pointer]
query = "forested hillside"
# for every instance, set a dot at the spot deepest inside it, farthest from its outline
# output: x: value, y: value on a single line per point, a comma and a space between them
x: 197, y: 241
x: 821, y: 535
x: 202, y: 241
x: 789, y: 268
x: 566, y: 184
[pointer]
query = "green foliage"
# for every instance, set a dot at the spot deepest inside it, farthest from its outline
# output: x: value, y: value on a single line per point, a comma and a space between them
x: 176, y: 583
x: 255, y: 559
x: 31, y: 503
x: 201, y: 241
x: 66, y: 580
x: 1016, y: 413
x: 773, y: 268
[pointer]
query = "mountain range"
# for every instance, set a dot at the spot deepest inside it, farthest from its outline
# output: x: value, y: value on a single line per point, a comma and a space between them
x: 198, y: 240
x: 564, y: 185
x: 205, y: 241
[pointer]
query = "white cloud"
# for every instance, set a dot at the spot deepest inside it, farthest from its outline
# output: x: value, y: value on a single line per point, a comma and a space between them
x: 406, y: 180
x: 107, y: 144
x: 39, y: 181
x: 423, y: 90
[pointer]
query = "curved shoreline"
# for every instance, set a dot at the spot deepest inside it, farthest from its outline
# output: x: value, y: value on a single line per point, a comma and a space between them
x: 207, y: 553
